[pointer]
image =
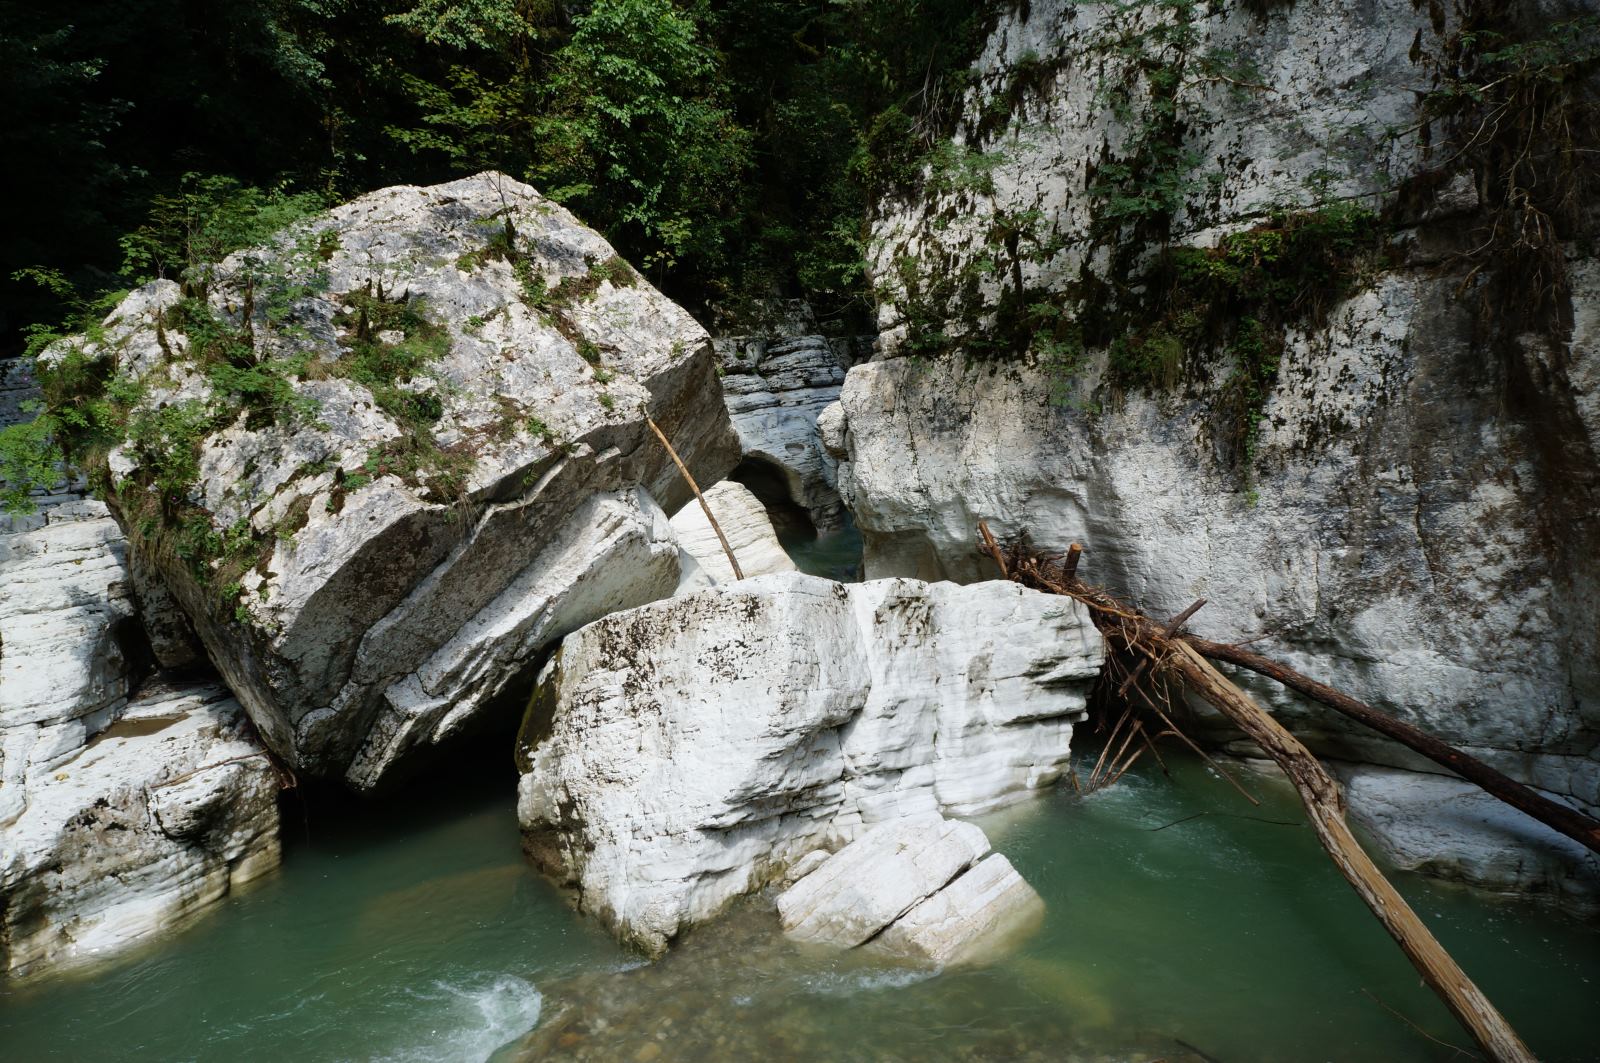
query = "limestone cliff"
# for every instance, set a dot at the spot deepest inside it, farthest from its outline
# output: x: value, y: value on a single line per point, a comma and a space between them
x: 1205, y: 288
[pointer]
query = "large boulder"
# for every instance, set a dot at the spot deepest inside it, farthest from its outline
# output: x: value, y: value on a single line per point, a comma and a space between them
x: 680, y: 754
x: 385, y: 460
x: 136, y: 831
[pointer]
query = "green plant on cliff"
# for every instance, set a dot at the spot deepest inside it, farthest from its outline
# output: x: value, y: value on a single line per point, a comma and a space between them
x: 1237, y: 300
x: 1515, y: 103
x: 1156, y: 50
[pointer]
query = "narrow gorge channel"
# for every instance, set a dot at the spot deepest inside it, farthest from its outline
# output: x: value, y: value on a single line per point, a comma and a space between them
x: 1182, y: 924
x: 705, y: 531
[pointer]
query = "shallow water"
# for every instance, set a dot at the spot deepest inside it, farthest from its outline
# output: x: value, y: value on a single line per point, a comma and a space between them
x: 835, y: 554
x: 425, y: 937
x: 407, y: 930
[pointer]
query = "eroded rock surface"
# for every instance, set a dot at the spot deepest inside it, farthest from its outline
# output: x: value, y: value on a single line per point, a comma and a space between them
x: 680, y: 754
x: 920, y: 888
x: 775, y: 390
x: 744, y: 522
x: 1398, y: 525
x: 1449, y: 828
x: 974, y: 918
x: 877, y: 878
x: 155, y: 818
x: 457, y: 470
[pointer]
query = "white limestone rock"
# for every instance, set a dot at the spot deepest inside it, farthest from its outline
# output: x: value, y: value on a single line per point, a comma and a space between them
x: 1335, y: 112
x: 1384, y: 557
x: 381, y: 595
x: 744, y: 521
x: 1447, y: 827
x: 973, y: 919
x: 67, y: 630
x: 132, y: 834
x: 775, y: 390
x: 102, y: 844
x: 683, y: 753
x: 877, y: 878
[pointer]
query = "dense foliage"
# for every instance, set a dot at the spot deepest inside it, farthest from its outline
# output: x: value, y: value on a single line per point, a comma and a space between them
x: 727, y: 147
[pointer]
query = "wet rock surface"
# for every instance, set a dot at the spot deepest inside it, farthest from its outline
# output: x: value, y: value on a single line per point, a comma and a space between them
x: 922, y: 888
x: 1447, y: 827
x: 877, y: 878
x: 680, y: 754
x: 154, y: 819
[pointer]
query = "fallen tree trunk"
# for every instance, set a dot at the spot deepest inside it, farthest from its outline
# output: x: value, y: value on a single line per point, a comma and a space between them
x: 1325, y: 808
x: 1130, y: 630
x: 1553, y: 814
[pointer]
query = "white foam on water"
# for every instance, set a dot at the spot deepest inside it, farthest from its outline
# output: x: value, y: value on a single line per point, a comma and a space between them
x: 849, y: 983
x: 471, y: 1020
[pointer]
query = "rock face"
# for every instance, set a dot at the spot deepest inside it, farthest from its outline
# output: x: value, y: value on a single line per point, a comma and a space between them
x: 69, y: 643
x: 745, y: 523
x: 775, y: 389
x: 453, y: 471
x: 1447, y: 827
x: 680, y: 754
x: 920, y: 888
x: 104, y: 837
x: 1404, y: 528
x: 154, y: 819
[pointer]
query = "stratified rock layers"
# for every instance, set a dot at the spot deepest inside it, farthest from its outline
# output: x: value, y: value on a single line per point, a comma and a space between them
x: 153, y: 820
x: 1412, y: 516
x: 390, y: 598
x: 744, y: 524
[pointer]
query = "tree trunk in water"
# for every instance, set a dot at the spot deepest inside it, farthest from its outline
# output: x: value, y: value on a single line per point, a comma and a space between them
x: 1569, y: 821
x: 1325, y: 807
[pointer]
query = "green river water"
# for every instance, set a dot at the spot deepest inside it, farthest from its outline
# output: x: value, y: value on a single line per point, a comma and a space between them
x: 411, y: 929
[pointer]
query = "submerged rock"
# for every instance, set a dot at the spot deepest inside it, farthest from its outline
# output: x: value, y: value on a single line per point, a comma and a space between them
x: 745, y: 523
x: 452, y: 468
x: 154, y: 819
x: 920, y: 888
x: 680, y: 754
x: 1448, y: 827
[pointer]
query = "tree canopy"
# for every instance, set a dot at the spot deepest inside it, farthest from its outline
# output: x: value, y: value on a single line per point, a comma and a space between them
x: 727, y: 147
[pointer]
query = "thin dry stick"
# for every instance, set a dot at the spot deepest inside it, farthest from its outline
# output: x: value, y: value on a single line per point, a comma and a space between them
x: 738, y: 573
